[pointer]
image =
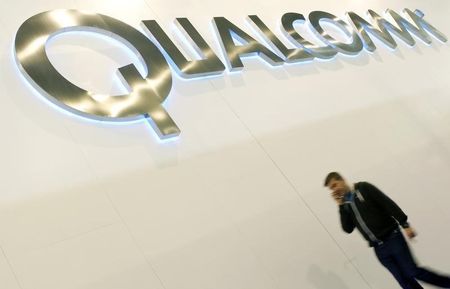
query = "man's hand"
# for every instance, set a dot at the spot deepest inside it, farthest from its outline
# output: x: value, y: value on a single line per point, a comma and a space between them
x: 410, y: 233
x: 338, y: 197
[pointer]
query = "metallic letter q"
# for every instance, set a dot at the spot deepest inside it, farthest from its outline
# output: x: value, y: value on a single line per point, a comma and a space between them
x: 147, y: 93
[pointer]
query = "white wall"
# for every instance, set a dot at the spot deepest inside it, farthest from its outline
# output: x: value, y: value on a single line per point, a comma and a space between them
x: 237, y: 201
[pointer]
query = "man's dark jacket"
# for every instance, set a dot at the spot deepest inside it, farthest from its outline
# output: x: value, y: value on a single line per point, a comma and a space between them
x: 380, y: 214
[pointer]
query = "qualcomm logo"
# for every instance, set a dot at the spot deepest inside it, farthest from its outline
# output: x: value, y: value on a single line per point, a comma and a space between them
x: 148, y: 92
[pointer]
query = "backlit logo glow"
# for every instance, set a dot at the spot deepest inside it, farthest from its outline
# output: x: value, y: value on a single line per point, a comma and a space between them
x: 148, y: 92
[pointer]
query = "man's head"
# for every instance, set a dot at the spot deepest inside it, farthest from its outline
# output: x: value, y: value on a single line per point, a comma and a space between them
x: 336, y: 183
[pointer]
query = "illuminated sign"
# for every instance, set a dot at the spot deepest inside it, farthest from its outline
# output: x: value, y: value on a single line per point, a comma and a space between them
x: 148, y: 92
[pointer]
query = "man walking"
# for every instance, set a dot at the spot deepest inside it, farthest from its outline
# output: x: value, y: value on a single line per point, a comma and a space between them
x: 377, y: 217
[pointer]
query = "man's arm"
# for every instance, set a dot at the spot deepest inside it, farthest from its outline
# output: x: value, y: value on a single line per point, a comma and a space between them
x: 346, y: 219
x: 387, y: 204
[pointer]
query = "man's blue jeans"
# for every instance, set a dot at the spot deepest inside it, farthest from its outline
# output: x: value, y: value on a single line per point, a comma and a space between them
x: 395, y: 255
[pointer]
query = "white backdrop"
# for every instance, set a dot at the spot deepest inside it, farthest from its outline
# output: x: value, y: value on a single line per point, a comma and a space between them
x: 236, y: 202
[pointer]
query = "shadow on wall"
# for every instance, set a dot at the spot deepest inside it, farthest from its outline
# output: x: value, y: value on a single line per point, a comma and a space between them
x: 325, y: 280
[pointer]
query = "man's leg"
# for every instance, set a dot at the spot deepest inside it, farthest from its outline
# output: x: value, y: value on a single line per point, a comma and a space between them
x: 384, y: 255
x: 405, y: 259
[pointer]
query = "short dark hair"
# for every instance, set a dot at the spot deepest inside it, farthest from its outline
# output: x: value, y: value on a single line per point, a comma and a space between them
x: 332, y: 176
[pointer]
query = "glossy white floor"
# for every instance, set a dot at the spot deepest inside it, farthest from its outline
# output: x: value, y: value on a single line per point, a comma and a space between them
x: 237, y: 200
